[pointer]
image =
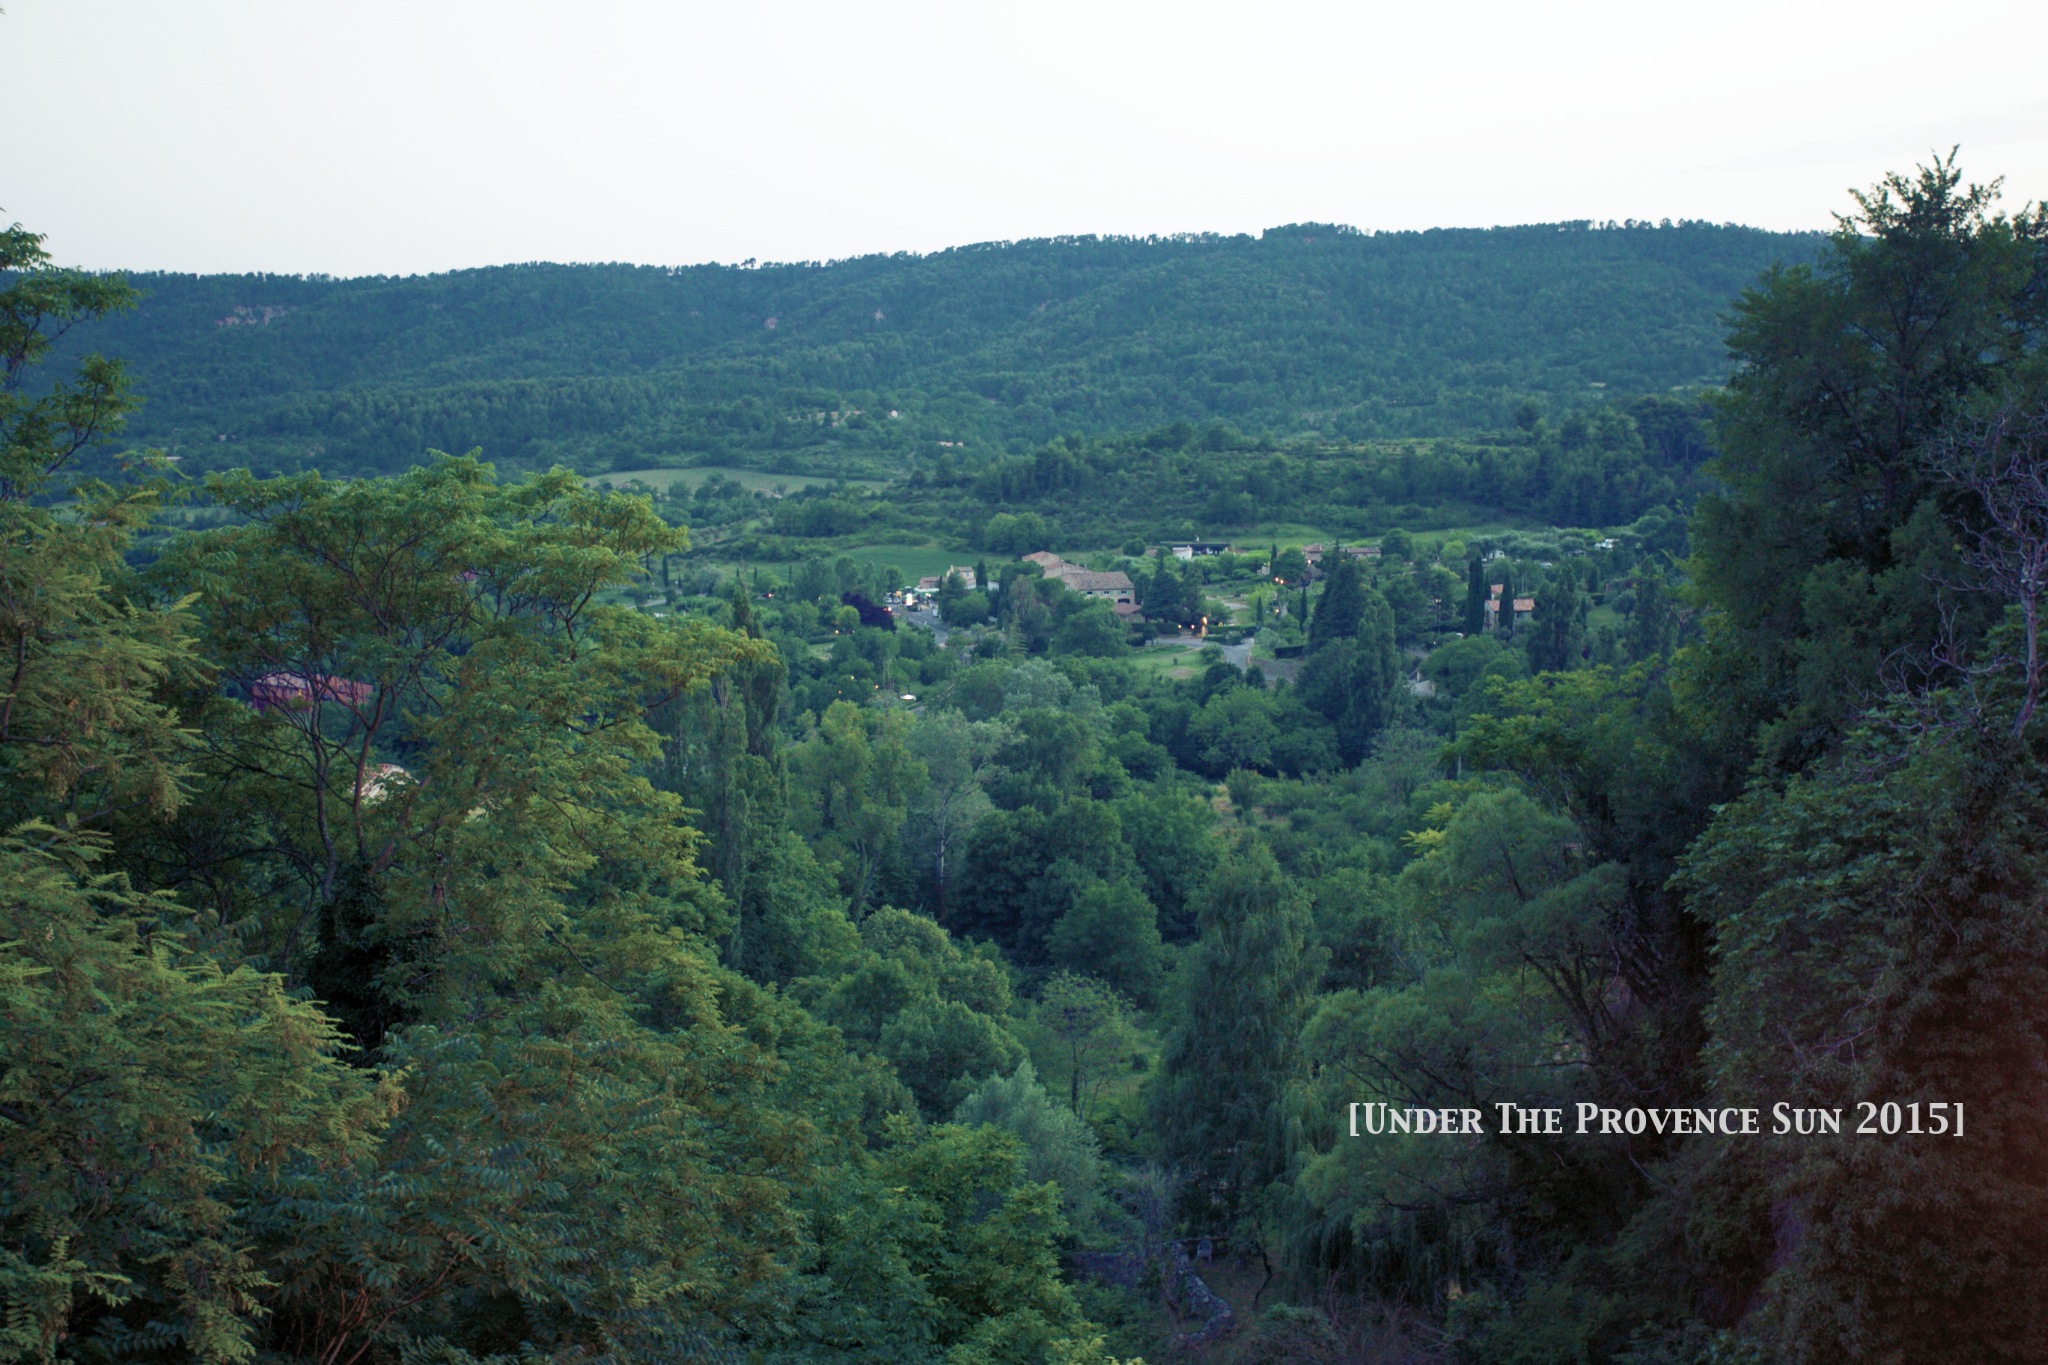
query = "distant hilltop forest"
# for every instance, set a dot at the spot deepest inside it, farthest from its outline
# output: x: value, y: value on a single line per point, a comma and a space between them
x: 855, y: 367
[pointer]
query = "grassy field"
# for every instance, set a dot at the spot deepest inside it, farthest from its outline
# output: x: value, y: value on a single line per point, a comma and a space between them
x: 921, y: 561
x: 916, y: 561
x: 753, y: 480
x: 1174, y: 659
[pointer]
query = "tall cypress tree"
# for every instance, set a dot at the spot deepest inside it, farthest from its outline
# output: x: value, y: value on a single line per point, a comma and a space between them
x: 1342, y: 604
x: 1475, y: 597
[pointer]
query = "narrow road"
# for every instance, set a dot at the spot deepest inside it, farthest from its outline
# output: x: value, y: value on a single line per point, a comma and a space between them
x: 929, y: 620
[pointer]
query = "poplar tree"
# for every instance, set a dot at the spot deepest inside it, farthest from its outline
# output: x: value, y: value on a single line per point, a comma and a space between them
x: 1557, y: 631
x: 1235, y: 1047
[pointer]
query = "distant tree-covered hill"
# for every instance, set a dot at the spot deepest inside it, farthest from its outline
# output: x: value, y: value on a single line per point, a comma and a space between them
x: 856, y: 365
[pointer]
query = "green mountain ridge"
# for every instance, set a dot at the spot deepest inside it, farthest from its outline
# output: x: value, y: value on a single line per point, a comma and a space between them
x: 1307, y: 329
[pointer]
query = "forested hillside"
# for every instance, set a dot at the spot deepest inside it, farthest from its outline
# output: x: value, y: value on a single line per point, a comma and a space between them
x: 1307, y: 329
x: 464, y: 918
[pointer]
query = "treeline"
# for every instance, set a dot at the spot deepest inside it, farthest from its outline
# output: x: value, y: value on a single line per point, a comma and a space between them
x: 1607, y: 466
x: 1304, y: 331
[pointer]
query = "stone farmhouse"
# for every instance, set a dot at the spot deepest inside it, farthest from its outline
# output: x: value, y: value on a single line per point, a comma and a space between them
x: 1113, y: 586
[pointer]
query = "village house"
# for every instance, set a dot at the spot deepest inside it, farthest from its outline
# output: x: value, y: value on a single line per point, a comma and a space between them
x: 1113, y: 586
x: 1520, y: 610
x: 929, y: 585
x: 1315, y: 553
x: 295, y: 691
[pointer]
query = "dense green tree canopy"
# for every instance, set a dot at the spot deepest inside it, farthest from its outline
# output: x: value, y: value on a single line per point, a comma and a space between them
x: 995, y: 345
x: 453, y: 918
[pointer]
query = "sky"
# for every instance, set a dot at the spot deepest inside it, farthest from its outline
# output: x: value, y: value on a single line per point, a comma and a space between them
x: 368, y: 137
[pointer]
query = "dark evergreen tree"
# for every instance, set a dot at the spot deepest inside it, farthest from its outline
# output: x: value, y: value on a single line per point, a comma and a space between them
x: 1475, y: 597
x: 1355, y: 681
x: 1824, y: 552
x: 1342, y: 605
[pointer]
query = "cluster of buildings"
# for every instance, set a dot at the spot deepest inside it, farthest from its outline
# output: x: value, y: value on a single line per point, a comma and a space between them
x: 1316, y: 553
x: 1112, y: 586
x: 928, y: 586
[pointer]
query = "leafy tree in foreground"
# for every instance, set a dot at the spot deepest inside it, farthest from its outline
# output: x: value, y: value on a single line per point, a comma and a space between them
x: 719, y: 754
x: 84, y: 733
x: 1824, y: 554
x: 956, y: 754
x: 140, y: 1082
x: 856, y: 778
x: 938, y: 1249
x: 1881, y: 942
x: 144, y: 1071
x: 441, y: 785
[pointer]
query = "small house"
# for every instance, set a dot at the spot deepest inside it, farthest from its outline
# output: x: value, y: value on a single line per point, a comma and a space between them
x: 296, y: 691
x: 1111, y: 586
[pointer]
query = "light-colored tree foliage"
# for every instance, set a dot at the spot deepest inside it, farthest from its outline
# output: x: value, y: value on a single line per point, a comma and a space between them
x: 1058, y: 1145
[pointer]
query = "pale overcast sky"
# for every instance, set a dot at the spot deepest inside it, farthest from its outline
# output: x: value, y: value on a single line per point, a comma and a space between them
x: 375, y: 137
